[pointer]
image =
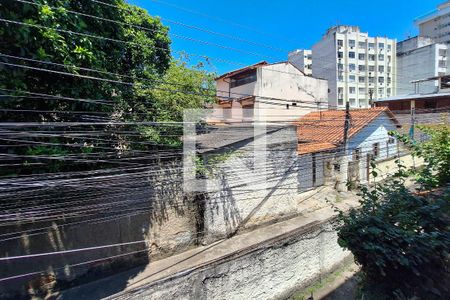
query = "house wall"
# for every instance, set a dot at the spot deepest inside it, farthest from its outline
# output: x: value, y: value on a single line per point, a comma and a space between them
x: 246, y: 199
x: 376, y: 132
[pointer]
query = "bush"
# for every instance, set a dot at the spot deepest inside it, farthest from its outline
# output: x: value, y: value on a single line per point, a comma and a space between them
x: 399, y: 237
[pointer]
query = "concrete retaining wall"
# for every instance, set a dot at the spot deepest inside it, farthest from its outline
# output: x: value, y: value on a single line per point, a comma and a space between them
x: 271, y: 271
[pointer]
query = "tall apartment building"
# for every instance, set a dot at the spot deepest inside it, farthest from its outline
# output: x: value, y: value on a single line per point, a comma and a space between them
x: 358, y: 68
x: 418, y: 60
x: 436, y: 25
x: 302, y: 59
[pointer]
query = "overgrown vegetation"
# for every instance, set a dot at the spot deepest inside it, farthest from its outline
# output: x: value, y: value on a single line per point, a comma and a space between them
x: 63, y: 61
x: 399, y: 236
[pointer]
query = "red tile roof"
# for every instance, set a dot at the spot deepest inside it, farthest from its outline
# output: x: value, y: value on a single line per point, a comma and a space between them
x: 322, y: 131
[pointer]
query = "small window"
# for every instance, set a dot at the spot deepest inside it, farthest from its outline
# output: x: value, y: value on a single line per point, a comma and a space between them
x: 362, y: 68
x: 351, y: 78
x: 352, y: 90
x: 340, y: 43
x: 361, y: 56
x: 381, y: 69
x: 380, y: 80
x: 381, y: 57
x: 381, y: 45
x: 351, y: 43
x: 351, y: 54
x: 391, y: 140
x: 371, y: 45
x: 243, y: 78
x: 362, y: 79
x: 352, y: 67
x: 376, y: 149
x: 362, y: 45
x: 356, y: 154
x: 372, y: 57
x: 340, y: 54
x: 371, y: 68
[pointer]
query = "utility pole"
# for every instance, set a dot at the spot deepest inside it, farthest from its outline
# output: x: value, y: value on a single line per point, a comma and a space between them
x: 413, y: 119
x: 346, y: 124
x: 344, y: 160
x: 371, y: 97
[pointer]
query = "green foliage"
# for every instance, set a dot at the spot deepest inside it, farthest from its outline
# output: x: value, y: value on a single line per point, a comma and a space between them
x: 401, y: 237
x: 139, y: 53
x: 436, y: 153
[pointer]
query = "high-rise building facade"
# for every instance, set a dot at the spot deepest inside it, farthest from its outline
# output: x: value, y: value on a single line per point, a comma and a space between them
x: 436, y: 25
x: 302, y: 59
x: 419, y: 59
x: 358, y: 68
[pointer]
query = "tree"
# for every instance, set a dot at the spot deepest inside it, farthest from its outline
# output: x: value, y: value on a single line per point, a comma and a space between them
x: 83, y: 61
x: 400, y: 237
x: 56, y: 32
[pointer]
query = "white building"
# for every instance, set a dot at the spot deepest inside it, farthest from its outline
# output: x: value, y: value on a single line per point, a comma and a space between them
x: 419, y: 59
x: 302, y: 59
x: 278, y: 91
x: 436, y: 24
x: 358, y: 67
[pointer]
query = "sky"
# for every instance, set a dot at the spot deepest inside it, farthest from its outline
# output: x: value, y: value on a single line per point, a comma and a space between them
x: 236, y: 33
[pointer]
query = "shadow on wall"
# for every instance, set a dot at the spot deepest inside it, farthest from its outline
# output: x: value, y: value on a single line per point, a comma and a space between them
x: 112, y: 207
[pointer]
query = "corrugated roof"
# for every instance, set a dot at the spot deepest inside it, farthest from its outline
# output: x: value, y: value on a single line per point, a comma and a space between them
x: 321, y: 131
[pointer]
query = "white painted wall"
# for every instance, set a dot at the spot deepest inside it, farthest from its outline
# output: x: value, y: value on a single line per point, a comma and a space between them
x: 417, y: 64
x: 302, y: 59
x: 325, y: 57
x: 278, y: 86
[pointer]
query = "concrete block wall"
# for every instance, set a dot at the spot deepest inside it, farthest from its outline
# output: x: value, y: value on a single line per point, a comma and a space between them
x: 272, y: 271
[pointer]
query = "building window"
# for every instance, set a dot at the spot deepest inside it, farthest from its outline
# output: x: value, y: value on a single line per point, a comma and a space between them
x: 362, y: 79
x: 388, y: 92
x: 381, y: 69
x: 341, y: 78
x: 371, y: 79
x: 356, y: 154
x: 372, y: 57
x: 389, y: 69
x: 352, y: 102
x: 361, y: 56
x: 381, y: 57
x: 371, y: 68
x: 340, y: 102
x: 376, y: 149
x: 340, y: 67
x: 380, y: 80
x: 391, y: 140
x: 243, y: 78
x: 351, y: 54
x: 380, y: 91
x: 351, y: 43
x: 442, y: 63
x: 352, y: 67
x: 442, y: 52
x: 389, y: 47
x: 352, y: 90
x: 340, y: 43
x: 362, y: 68
x: 362, y: 45
x: 371, y: 45
x: 351, y: 78
x: 362, y: 91
x: 389, y: 80
x: 381, y: 45
x: 340, y: 54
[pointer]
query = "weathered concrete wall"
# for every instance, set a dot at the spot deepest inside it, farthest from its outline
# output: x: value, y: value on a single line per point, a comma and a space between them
x: 246, y: 198
x: 113, y: 208
x: 270, y: 271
